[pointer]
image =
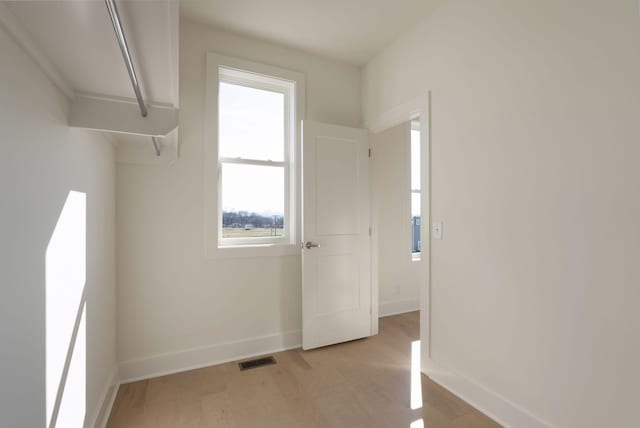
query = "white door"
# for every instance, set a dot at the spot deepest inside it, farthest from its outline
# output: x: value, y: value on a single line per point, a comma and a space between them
x: 336, y: 255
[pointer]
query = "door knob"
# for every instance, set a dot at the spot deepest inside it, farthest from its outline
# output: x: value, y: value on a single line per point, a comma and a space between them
x: 311, y: 245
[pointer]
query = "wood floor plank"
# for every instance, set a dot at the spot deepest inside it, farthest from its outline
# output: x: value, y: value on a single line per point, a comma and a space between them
x: 364, y: 383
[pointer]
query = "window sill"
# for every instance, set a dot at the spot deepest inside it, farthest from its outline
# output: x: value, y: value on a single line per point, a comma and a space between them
x: 415, y: 257
x: 254, y: 251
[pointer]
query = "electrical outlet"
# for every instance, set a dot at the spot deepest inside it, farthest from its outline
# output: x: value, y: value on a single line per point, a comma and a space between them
x: 436, y: 230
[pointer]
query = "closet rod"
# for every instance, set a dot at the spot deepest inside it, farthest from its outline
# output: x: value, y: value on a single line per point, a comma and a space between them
x: 126, y: 55
x: 124, y: 48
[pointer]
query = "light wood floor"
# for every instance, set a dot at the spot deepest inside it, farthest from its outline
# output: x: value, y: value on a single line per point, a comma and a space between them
x: 365, y: 383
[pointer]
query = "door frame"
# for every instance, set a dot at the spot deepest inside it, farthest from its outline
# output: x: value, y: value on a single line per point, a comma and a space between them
x: 419, y: 106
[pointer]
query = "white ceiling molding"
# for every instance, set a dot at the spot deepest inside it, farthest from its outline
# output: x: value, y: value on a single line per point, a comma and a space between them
x: 13, y: 27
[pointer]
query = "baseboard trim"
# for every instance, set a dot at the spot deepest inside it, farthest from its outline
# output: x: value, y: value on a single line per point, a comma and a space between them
x: 107, y: 399
x: 396, y: 307
x: 175, y: 362
x: 497, y: 407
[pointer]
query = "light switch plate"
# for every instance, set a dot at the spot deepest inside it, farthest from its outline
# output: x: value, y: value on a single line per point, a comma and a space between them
x: 436, y: 230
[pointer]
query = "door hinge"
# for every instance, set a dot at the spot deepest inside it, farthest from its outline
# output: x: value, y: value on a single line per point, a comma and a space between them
x: 369, y: 152
x: 369, y: 230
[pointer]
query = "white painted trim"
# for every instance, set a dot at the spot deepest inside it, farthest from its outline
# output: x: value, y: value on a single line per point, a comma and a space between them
x: 255, y: 251
x: 501, y: 409
x: 175, y: 362
x: 211, y: 163
x: 287, y: 88
x: 108, y: 397
x: 425, y: 228
x: 375, y: 274
x: 419, y: 106
x: 497, y: 407
x: 399, y: 114
x: 396, y: 307
x: 375, y: 242
x: 12, y: 25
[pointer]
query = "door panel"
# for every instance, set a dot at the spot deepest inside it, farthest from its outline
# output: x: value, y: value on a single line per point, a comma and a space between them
x: 336, y: 289
x: 337, y: 183
x: 335, y: 275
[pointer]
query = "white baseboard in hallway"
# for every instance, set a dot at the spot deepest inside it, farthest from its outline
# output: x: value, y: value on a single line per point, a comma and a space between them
x: 497, y: 407
x: 396, y: 307
x: 159, y: 365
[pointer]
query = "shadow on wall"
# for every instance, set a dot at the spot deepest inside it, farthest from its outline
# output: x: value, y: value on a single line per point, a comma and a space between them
x: 65, y: 319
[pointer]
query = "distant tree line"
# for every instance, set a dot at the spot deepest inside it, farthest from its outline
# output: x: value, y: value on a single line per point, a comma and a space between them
x: 243, y: 218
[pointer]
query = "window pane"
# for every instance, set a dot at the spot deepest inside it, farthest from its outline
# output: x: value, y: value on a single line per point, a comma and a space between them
x: 415, y: 204
x: 251, y: 123
x: 252, y: 201
x: 415, y: 160
x: 415, y: 222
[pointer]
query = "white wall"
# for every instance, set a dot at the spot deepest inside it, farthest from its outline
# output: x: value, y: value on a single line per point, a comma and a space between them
x: 398, y: 274
x: 175, y: 307
x: 535, y: 174
x: 41, y: 162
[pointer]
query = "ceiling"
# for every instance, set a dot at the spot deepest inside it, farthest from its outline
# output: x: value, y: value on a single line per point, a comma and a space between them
x: 351, y: 31
x: 74, y: 41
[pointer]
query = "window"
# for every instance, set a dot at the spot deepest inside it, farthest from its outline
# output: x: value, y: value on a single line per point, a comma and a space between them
x: 415, y: 190
x: 251, y: 148
x: 254, y: 139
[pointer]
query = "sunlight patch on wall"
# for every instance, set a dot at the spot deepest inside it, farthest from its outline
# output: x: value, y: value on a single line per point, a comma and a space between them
x: 416, y: 380
x: 73, y: 401
x: 65, y: 280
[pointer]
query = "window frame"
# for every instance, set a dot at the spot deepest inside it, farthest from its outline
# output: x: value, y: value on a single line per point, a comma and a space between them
x: 260, y: 76
x: 287, y: 88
